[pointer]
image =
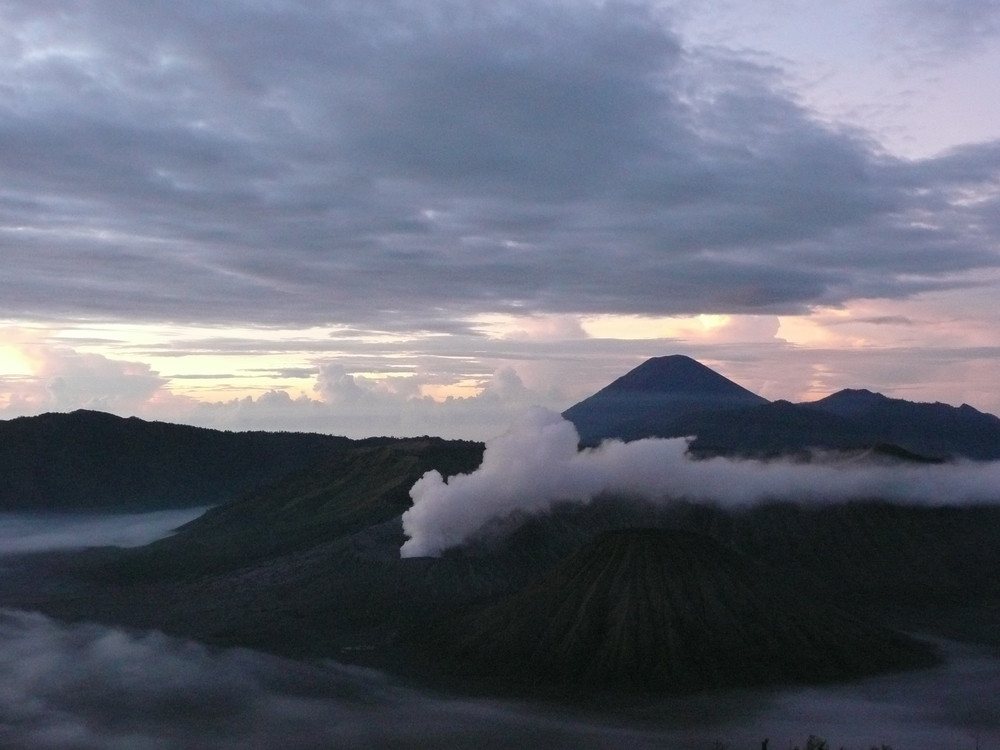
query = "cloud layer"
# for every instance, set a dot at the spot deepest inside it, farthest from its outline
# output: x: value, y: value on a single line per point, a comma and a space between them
x: 536, y: 464
x: 31, y: 532
x: 88, y: 687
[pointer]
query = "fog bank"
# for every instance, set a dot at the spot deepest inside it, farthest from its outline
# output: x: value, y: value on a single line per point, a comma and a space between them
x: 39, y: 532
x: 536, y: 464
x: 89, y: 687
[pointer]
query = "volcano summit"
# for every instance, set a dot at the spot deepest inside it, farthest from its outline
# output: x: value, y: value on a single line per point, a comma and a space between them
x: 651, y: 399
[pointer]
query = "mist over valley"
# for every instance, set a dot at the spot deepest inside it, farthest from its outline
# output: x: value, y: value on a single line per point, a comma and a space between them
x: 92, y: 687
x: 638, y: 586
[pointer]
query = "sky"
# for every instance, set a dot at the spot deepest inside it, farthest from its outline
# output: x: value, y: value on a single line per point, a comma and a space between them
x: 421, y: 217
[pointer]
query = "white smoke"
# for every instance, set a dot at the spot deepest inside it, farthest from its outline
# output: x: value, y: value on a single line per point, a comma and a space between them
x: 536, y: 464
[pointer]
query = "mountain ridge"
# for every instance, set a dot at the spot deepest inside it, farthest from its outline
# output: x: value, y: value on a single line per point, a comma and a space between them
x: 735, y: 421
x: 89, y: 460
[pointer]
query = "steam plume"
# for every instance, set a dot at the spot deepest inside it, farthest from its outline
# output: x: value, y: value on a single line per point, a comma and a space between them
x: 536, y: 464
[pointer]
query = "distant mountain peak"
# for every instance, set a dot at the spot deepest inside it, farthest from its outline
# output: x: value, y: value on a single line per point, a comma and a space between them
x: 676, y: 396
x: 648, y: 400
x: 677, y: 374
x: 857, y: 394
x: 850, y: 402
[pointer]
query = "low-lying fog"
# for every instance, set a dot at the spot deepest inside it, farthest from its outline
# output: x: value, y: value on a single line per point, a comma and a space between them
x: 88, y: 687
x: 38, y: 532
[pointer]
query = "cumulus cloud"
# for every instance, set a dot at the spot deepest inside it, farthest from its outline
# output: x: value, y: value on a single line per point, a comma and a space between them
x: 536, y: 464
x: 50, y: 375
x: 362, y: 406
x: 60, y: 378
x: 337, y: 386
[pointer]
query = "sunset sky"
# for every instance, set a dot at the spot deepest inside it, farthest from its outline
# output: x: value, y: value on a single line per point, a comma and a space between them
x: 422, y: 216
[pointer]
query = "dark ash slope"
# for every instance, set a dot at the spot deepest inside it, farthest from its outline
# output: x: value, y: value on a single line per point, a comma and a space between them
x: 667, y: 610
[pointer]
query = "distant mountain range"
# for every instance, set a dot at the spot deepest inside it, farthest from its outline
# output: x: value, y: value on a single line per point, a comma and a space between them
x: 676, y: 396
x: 87, y: 460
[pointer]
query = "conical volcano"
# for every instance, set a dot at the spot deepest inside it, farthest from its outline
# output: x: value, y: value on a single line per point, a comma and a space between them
x: 666, y: 610
x: 676, y: 374
x: 651, y: 399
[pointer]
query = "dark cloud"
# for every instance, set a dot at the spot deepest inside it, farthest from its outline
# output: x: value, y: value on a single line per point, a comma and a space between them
x: 291, y: 372
x: 407, y: 165
x: 884, y: 320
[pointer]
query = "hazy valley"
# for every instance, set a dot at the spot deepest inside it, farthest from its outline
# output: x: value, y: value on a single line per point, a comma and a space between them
x: 660, y: 592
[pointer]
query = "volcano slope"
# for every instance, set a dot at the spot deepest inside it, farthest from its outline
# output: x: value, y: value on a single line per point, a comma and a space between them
x: 357, y: 488
x: 665, y: 610
x: 311, y: 568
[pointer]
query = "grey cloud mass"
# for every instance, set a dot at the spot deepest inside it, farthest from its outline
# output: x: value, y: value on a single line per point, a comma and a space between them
x: 88, y: 687
x: 294, y: 164
x: 949, y: 26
